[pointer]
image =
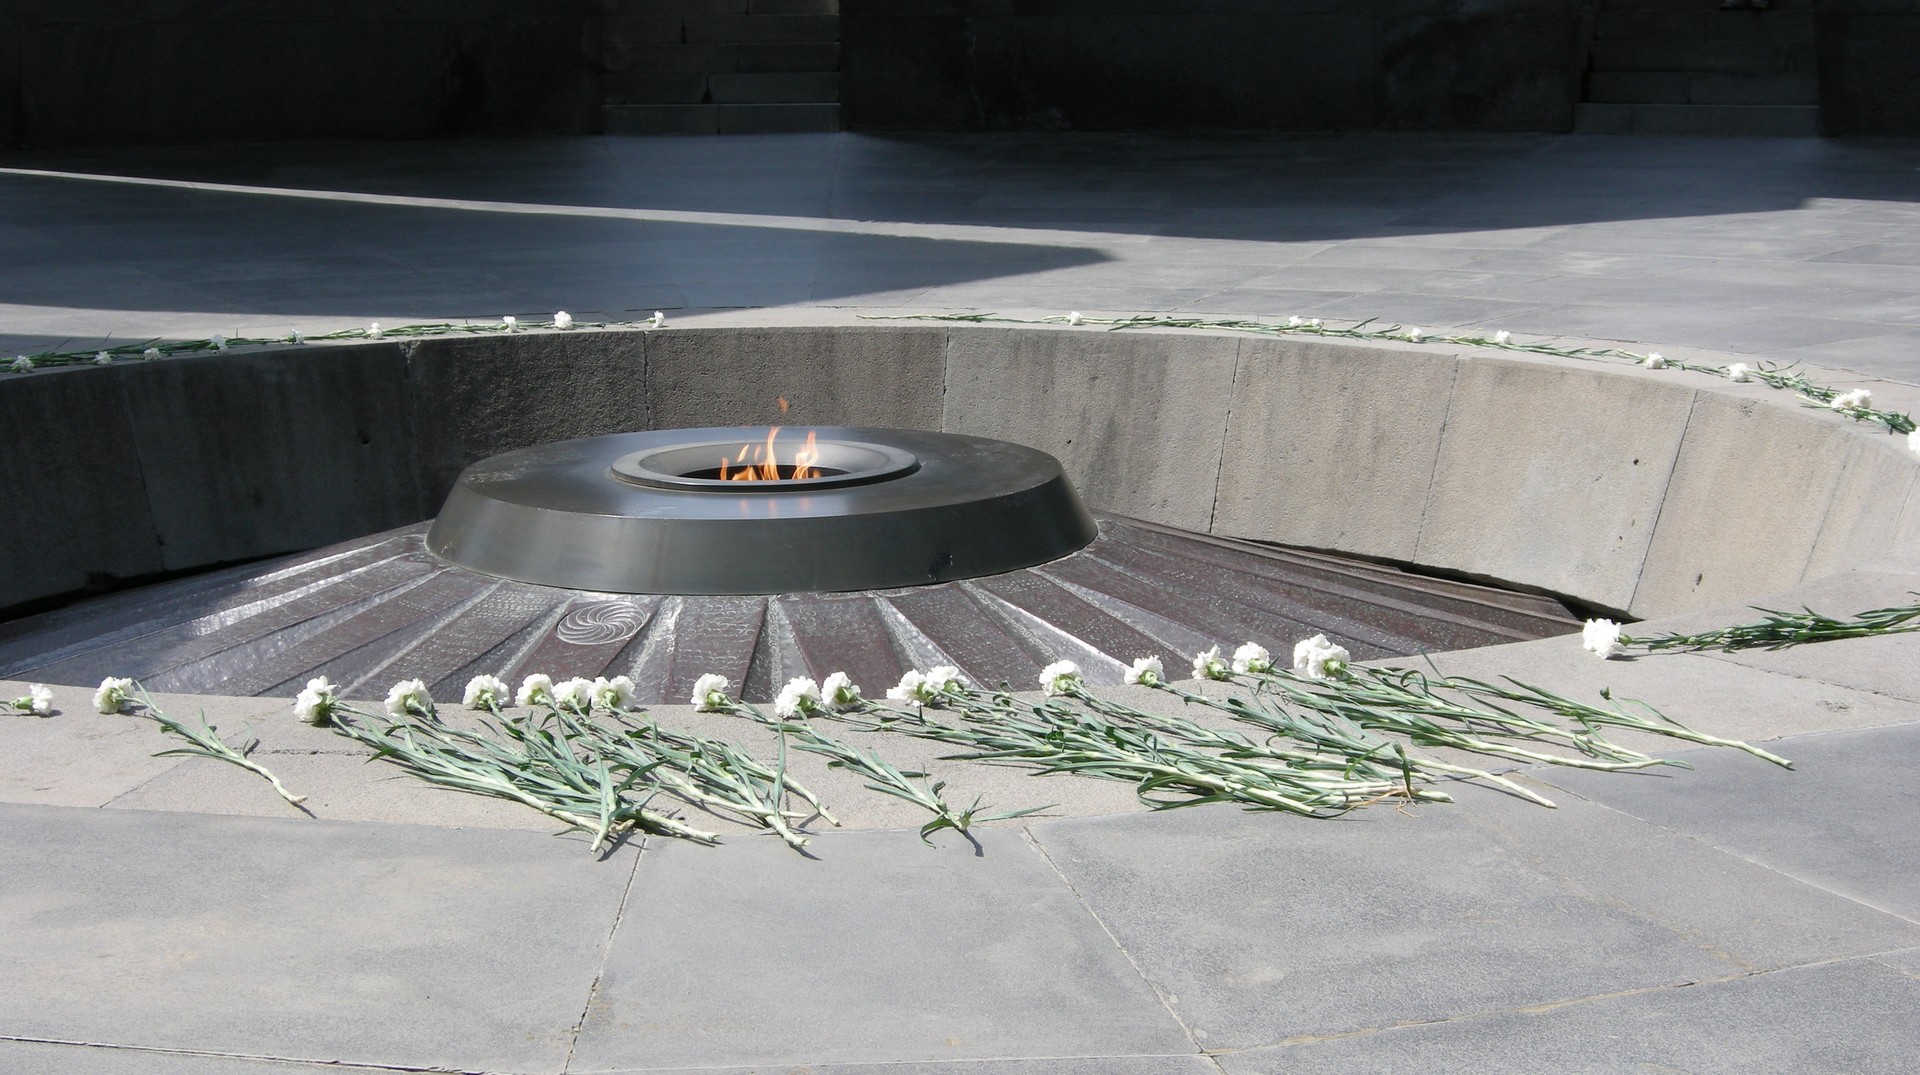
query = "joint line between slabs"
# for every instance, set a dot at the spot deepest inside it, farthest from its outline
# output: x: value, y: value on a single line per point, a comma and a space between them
x: 349, y: 1065
x: 606, y: 953
x: 1040, y: 849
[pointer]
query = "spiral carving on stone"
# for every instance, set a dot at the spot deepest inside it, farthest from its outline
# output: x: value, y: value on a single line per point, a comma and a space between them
x: 599, y: 623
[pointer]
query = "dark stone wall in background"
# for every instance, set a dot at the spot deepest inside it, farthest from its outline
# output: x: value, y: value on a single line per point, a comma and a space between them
x: 1869, y: 66
x: 1273, y: 64
x: 132, y: 72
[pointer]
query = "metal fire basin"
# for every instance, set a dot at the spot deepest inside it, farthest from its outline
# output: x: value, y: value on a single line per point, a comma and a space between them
x: 644, y: 513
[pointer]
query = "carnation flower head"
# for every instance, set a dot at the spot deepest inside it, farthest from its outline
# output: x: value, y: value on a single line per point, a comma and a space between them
x: 1207, y: 664
x: 536, y: 689
x: 1602, y: 639
x: 150, y: 354
x: 508, y: 322
x: 799, y: 698
x: 658, y: 320
x: 1320, y: 658
x: 1295, y: 321
x: 1074, y: 318
x: 1060, y: 677
x: 296, y: 337
x: 1415, y: 334
x: 374, y: 330
x: 614, y: 694
x: 38, y: 701
x: 315, y: 704
x: 1655, y: 361
x: 1503, y: 336
x: 21, y: 364
x: 1314, y: 323
x: 1252, y: 658
x: 1913, y: 442
x: 945, y: 679
x: 913, y: 688
x: 101, y: 358
x: 563, y: 319
x: 1145, y: 672
x: 1739, y: 373
x: 1857, y: 400
x: 839, y: 692
x: 710, y: 693
x: 485, y: 692
x: 218, y: 341
x: 409, y: 697
x: 575, y: 693
x: 111, y: 697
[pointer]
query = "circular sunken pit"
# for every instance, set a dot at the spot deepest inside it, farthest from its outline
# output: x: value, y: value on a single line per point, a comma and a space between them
x: 751, y: 511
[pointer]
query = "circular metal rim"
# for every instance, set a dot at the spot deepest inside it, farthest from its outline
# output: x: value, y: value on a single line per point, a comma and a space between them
x: 557, y: 515
x: 855, y: 463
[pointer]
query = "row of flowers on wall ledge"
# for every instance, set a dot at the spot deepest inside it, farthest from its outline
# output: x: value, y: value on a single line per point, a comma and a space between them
x: 1328, y: 735
x: 1856, y: 403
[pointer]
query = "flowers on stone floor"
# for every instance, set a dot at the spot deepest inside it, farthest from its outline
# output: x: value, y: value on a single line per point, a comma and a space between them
x: 710, y: 693
x: 1503, y: 337
x: 150, y: 354
x: 1913, y: 442
x: 799, y: 698
x: 112, y: 697
x: 1602, y: 639
x: 658, y: 320
x: 1858, y: 399
x: 101, y: 358
x: 1144, y: 672
x: 536, y: 689
x: 38, y: 701
x: 315, y: 704
x: 563, y: 320
x: 1208, y: 665
x: 218, y: 341
x: 21, y: 364
x: 486, y: 692
x: 912, y: 688
x: 296, y: 337
x: 614, y: 694
x: 840, y: 693
x: 508, y: 322
x: 1320, y: 658
x: 575, y: 694
x: 1655, y: 361
x: 1739, y: 373
x: 409, y: 698
x: 1075, y: 319
x: 1061, y: 677
x: 1252, y: 657
x: 373, y: 330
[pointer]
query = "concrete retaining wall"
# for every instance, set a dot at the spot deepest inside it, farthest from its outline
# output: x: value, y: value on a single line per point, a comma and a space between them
x: 1648, y: 492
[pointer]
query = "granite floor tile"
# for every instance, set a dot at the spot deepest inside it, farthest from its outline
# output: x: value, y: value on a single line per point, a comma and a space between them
x: 882, y: 949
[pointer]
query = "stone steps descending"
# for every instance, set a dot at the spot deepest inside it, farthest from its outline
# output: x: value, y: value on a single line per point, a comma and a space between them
x: 721, y: 66
x: 1687, y: 67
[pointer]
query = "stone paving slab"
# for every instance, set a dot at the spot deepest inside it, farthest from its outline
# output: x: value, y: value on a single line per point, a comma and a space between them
x: 1854, y: 1017
x: 883, y: 950
x: 396, y: 945
x: 1832, y: 824
x: 37, y: 1058
x: 1100, y: 1065
x: 1261, y: 929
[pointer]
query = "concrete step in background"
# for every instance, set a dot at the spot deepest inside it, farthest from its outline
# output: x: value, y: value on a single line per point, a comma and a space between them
x: 721, y: 67
x: 1700, y: 88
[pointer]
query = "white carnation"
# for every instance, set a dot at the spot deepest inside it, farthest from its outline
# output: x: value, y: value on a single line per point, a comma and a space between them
x: 407, y: 698
x: 315, y: 704
x: 373, y: 330
x: 710, y: 693
x: 150, y: 354
x: 945, y: 679
x: 1857, y: 400
x: 658, y: 320
x: 575, y: 693
x: 485, y: 692
x: 563, y: 319
x: 1319, y: 658
x: 1060, y: 677
x: 1655, y: 361
x: 111, y: 697
x: 799, y: 698
x: 102, y: 358
x: 912, y: 688
x: 839, y: 692
x: 536, y: 689
x: 1252, y: 658
x: 1145, y: 672
x: 1739, y: 373
x: 1503, y: 336
x: 1208, y: 665
x: 21, y: 364
x: 1602, y: 639
x: 1913, y: 442
x: 614, y: 694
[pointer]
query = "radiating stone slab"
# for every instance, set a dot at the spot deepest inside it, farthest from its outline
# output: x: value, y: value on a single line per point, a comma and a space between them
x: 1854, y: 1017
x: 884, y: 949
x: 397, y: 945
x: 1842, y: 821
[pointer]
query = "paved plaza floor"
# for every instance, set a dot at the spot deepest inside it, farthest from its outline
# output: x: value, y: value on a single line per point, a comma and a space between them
x: 170, y: 915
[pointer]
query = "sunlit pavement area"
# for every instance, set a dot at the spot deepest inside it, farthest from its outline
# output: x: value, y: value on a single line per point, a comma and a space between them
x: 172, y: 915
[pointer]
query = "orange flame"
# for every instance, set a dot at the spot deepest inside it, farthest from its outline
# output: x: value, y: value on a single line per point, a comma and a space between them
x: 759, y: 463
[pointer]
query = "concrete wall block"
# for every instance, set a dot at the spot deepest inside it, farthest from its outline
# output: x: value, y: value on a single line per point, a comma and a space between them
x: 251, y: 454
x: 1862, y: 523
x: 779, y: 88
x: 481, y: 396
x: 1552, y: 476
x: 1744, y: 508
x: 1332, y: 446
x: 771, y: 56
x: 828, y: 376
x: 656, y: 88
x: 664, y: 59
x: 77, y: 514
x: 1137, y: 420
x: 762, y: 28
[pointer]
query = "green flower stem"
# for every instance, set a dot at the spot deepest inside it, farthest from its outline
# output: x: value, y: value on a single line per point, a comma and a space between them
x: 205, y: 742
x: 1782, y: 629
